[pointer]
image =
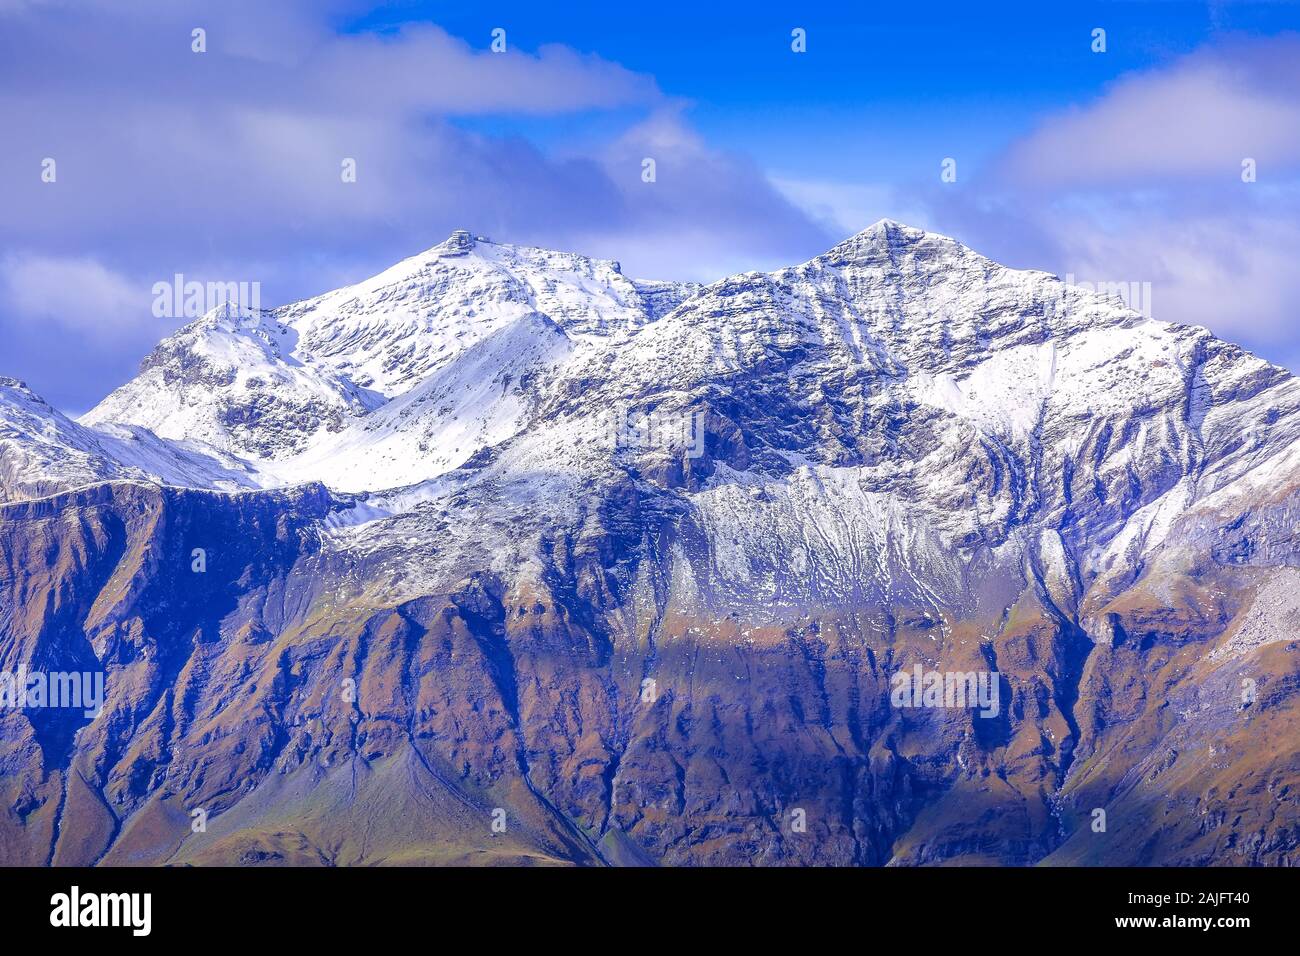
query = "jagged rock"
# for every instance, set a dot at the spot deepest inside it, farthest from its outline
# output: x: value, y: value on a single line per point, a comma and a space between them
x: 633, y: 564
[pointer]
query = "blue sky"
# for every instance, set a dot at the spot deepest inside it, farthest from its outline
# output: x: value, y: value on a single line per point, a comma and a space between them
x: 912, y: 76
x: 1115, y: 166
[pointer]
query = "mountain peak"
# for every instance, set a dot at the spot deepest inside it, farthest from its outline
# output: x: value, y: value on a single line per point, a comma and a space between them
x: 888, y: 237
x: 13, y: 390
x: 890, y: 229
x: 554, y: 481
x: 886, y: 224
x: 459, y: 242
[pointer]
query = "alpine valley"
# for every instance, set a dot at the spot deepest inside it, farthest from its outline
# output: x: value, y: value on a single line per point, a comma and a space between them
x: 401, y: 575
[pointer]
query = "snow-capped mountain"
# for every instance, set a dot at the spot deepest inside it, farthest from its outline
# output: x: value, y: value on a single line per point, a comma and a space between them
x: 500, y: 492
x: 474, y: 401
x: 43, y: 451
x: 270, y: 384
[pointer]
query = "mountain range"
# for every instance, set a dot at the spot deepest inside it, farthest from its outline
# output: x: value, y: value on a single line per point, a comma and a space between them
x: 502, y: 557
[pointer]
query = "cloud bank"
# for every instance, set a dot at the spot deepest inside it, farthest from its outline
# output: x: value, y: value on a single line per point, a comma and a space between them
x: 228, y: 165
x: 1146, y: 184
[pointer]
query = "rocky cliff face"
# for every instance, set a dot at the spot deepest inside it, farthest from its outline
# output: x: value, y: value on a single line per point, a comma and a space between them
x: 629, y: 574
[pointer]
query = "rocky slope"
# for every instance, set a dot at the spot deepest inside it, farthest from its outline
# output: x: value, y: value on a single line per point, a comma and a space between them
x: 265, y: 383
x: 42, y: 451
x: 593, y: 570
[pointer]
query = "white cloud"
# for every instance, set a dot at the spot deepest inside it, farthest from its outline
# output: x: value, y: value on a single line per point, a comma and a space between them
x: 1235, y: 276
x: 228, y: 163
x: 73, y: 293
x: 1144, y: 186
x: 845, y: 209
x: 1201, y: 116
